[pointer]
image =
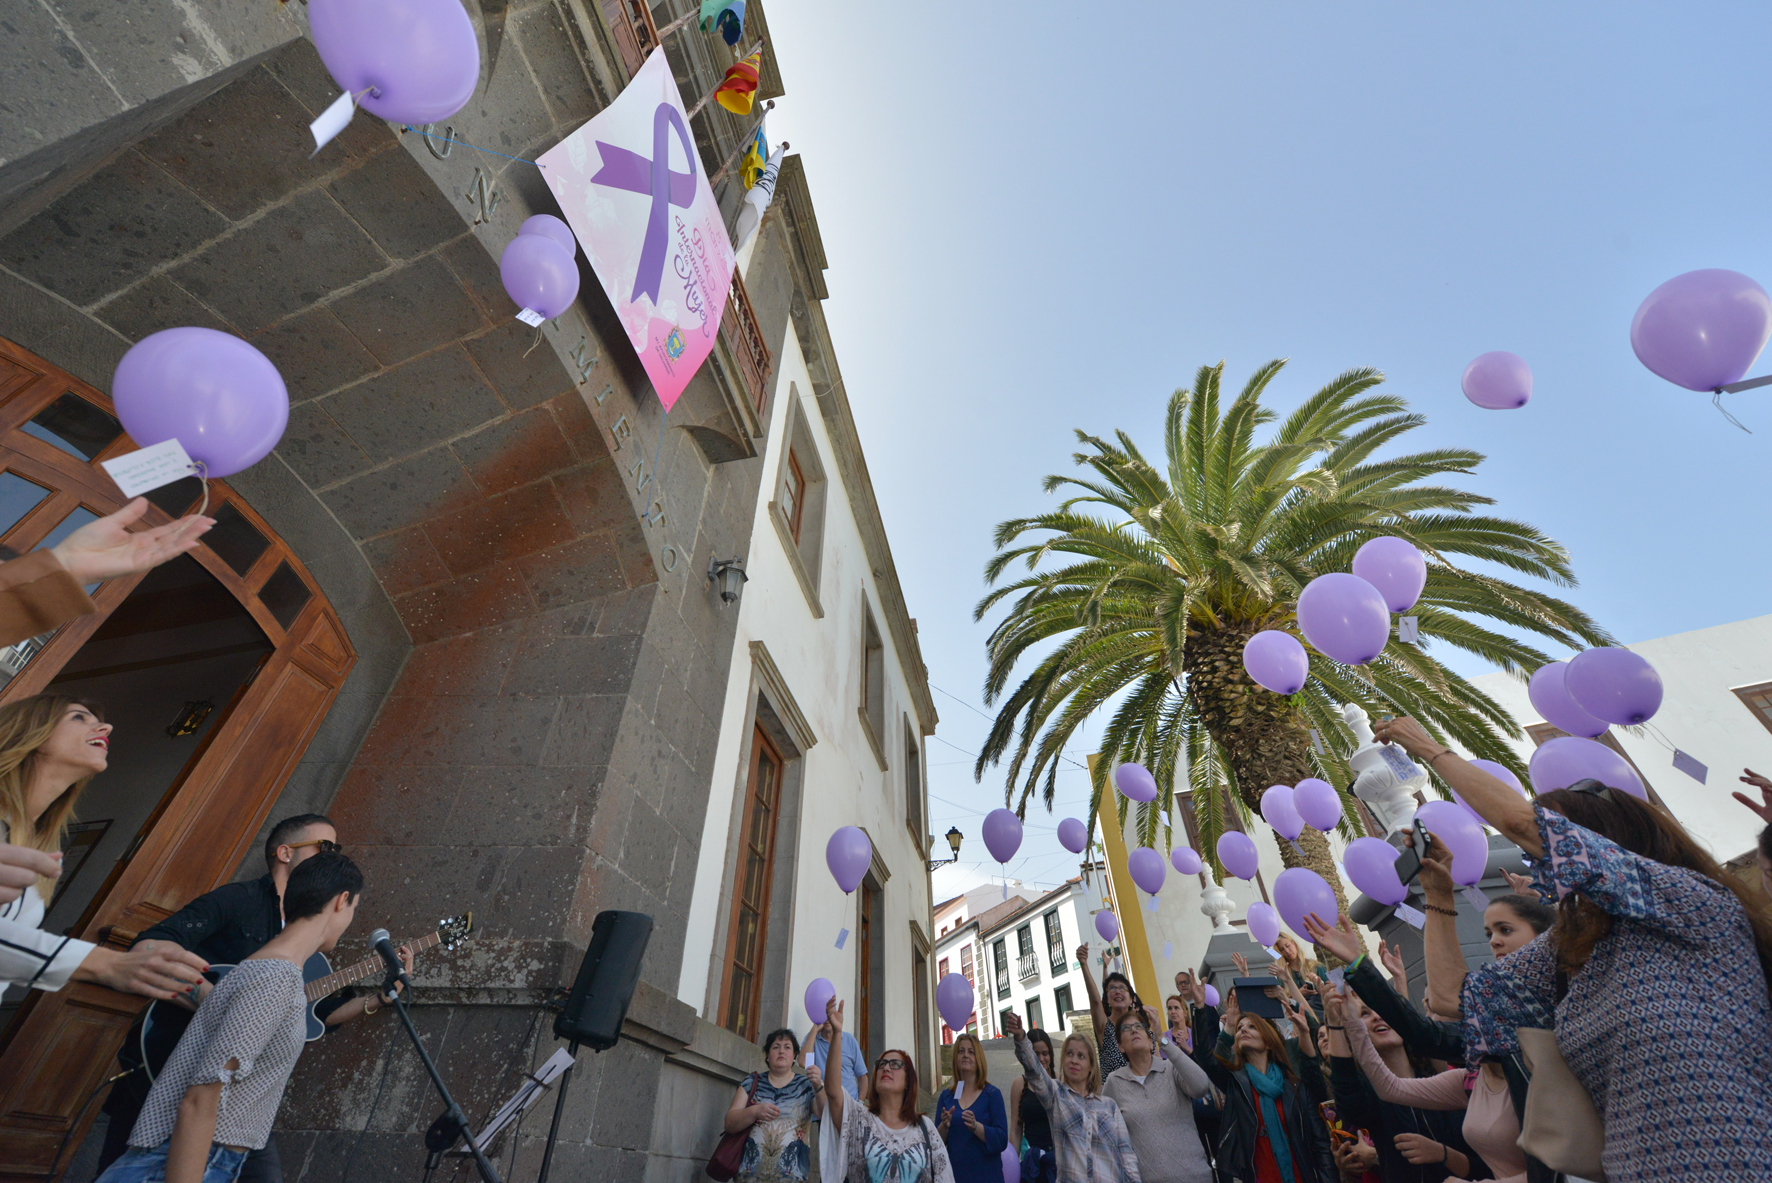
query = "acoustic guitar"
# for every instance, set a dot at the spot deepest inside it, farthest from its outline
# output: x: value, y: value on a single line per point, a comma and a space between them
x: 163, y: 1023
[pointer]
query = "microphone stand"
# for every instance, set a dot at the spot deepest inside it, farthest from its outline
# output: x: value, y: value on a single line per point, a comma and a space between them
x: 452, y: 1112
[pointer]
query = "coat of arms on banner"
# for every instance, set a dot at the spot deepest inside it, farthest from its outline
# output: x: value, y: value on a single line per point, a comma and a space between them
x: 633, y: 189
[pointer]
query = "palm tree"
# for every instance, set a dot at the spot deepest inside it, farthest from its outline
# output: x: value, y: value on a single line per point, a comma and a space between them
x: 1171, y: 570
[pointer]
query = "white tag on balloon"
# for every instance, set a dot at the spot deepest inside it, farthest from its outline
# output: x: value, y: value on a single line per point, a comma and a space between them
x: 811, y: 1059
x: 1168, y: 950
x: 1409, y: 630
x: 1474, y: 895
x: 842, y: 937
x: 149, y: 468
x: 1338, y: 978
x: 1151, y: 904
x: 1689, y: 766
x: 1269, y: 950
x: 1410, y: 916
x: 1316, y: 741
x: 332, y: 121
x: 531, y: 317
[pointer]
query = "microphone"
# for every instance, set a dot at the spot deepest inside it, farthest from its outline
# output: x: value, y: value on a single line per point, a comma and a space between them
x: 382, y: 943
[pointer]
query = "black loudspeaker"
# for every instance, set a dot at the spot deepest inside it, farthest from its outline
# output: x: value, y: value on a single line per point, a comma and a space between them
x: 599, y: 999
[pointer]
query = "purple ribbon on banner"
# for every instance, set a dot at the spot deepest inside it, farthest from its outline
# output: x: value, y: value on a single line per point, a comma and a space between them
x: 631, y: 171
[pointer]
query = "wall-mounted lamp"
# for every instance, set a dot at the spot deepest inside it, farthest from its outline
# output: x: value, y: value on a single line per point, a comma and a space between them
x: 190, y: 719
x: 954, y: 838
x: 727, y: 576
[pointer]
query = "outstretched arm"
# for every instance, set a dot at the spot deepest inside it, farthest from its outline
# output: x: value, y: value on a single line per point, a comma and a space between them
x: 1444, y: 1091
x: 1446, y: 966
x: 834, y: 1095
x: 1497, y: 804
x: 1096, y: 1011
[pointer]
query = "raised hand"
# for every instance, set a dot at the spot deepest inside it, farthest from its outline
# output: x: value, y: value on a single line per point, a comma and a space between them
x: 1012, y: 1025
x: 105, y: 548
x: 1342, y: 941
x: 815, y: 1076
x: 1392, y: 958
x: 1436, y: 871
x: 833, y: 1014
x: 1522, y: 884
x: 1411, y: 736
x: 1083, y: 954
x: 1242, y: 964
x: 1232, y: 1009
x: 20, y: 867
x: 1761, y: 808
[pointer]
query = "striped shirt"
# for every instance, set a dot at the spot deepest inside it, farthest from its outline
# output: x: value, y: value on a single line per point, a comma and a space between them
x: 1089, y: 1136
x: 28, y: 955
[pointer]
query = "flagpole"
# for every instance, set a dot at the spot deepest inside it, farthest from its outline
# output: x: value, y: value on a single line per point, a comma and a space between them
x: 661, y: 34
x: 743, y: 143
x: 696, y: 110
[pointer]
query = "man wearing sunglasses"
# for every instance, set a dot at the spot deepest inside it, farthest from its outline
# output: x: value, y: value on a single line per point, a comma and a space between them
x: 224, y: 927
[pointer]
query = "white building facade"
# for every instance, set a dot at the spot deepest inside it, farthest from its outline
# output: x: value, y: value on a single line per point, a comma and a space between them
x: 1021, y: 955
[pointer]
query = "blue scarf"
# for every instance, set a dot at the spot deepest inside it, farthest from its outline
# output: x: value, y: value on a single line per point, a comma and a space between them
x: 1268, y: 1087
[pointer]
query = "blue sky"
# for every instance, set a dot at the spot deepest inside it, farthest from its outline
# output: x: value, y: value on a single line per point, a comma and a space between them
x: 1042, y: 217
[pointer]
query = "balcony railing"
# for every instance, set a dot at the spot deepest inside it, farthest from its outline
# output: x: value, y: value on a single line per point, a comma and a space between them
x: 1028, y: 967
x: 744, y: 337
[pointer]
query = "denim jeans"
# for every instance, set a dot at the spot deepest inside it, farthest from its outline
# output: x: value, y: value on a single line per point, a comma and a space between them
x: 149, y: 1166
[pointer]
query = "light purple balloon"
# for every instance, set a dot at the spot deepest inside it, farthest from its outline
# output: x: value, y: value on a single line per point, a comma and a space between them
x: 1317, y: 803
x: 1371, y: 864
x: 1002, y: 834
x: 1011, y: 1165
x: 212, y: 392
x: 1147, y: 869
x: 1614, y: 684
x: 1135, y: 782
x: 1344, y: 617
x: 1281, y: 814
x: 1498, y: 381
x: 1395, y: 568
x: 539, y: 274
x: 548, y: 226
x: 1211, y: 992
x: 1549, y: 693
x: 1469, y: 845
x: 818, y: 992
x: 848, y: 854
x: 954, y: 1000
x: 1264, y: 924
x: 419, y: 59
x: 1560, y: 762
x: 1703, y: 329
x: 1276, y: 661
x: 1073, y: 835
x: 1185, y: 860
x: 1299, y: 892
x: 1107, y: 925
x: 1499, y: 772
x: 1236, y: 853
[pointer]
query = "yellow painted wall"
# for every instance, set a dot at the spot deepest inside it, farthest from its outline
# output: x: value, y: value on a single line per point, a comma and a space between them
x: 1127, y: 906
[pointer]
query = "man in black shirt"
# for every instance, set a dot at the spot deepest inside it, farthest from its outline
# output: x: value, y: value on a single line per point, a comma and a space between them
x: 224, y: 927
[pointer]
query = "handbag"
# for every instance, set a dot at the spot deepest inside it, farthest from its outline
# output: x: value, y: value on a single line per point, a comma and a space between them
x: 728, y: 1156
x: 1561, y: 1129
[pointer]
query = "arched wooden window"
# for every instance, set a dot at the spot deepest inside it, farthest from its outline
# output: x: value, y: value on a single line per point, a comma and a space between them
x: 243, y: 602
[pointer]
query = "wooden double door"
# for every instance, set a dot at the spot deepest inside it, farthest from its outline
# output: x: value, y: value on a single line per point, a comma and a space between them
x: 242, y: 593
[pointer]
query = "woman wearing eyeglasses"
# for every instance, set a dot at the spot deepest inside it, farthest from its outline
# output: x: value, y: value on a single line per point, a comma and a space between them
x: 1654, y: 978
x: 885, y: 1139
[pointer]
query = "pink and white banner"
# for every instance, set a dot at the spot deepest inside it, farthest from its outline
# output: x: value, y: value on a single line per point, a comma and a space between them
x: 633, y: 190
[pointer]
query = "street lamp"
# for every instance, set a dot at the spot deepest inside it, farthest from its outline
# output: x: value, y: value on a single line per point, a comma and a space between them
x: 727, y: 576
x: 954, y: 838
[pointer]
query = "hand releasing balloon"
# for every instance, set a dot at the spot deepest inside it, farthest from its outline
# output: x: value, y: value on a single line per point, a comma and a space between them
x: 1107, y: 925
x: 1560, y: 762
x: 1614, y: 684
x: 419, y: 60
x: 1464, y: 838
x: 1549, y: 694
x: 954, y: 999
x: 1344, y: 617
x: 1276, y: 661
x: 1002, y: 834
x: 820, y: 991
x: 1395, y: 568
x: 212, y: 392
x: 1281, y: 814
x: 1703, y: 329
x: 1264, y: 924
x: 1185, y: 860
x: 1073, y: 835
x: 1317, y: 803
x: 1300, y: 891
x: 1372, y: 866
x: 1498, y: 381
x: 1236, y: 853
x: 1147, y: 869
x: 1135, y: 782
x: 848, y: 854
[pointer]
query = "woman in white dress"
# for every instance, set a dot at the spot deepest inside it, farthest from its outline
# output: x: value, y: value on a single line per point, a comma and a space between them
x: 884, y: 1140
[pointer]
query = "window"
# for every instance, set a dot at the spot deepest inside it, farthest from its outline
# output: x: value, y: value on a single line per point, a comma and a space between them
x: 966, y: 963
x: 913, y: 786
x: 751, y: 883
x: 1035, y: 1019
x: 1027, y: 962
x: 873, y: 683
x: 798, y: 508
x: 1758, y: 700
x: 941, y: 967
x: 793, y: 496
x: 870, y: 1015
x: 920, y: 1004
x: 1061, y: 1003
x: 1055, y: 943
x: 1000, y: 955
x: 1024, y: 940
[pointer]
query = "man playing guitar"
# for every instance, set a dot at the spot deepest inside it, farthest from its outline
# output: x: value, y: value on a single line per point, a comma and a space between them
x: 224, y: 927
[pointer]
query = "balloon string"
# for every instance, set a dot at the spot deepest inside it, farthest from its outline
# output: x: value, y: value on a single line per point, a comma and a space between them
x: 203, y: 476
x: 531, y: 349
x: 433, y: 136
x: 1716, y: 400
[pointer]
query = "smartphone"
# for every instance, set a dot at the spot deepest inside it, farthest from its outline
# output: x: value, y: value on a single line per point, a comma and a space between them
x: 1408, y: 862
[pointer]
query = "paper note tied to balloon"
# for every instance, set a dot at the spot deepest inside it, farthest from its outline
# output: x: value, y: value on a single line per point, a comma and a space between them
x: 332, y: 121
x: 1475, y: 896
x: 1411, y: 916
x: 1168, y: 950
x: 1409, y: 630
x: 1689, y: 766
x: 842, y: 937
x: 151, y: 467
x: 631, y: 185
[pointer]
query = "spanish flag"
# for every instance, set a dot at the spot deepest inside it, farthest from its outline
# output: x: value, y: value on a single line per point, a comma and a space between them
x: 739, y: 89
x: 728, y: 15
x: 755, y: 159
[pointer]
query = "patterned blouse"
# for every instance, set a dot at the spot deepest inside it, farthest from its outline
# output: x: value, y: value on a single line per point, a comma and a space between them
x: 780, y: 1151
x: 867, y: 1150
x: 1088, y: 1134
x: 1668, y: 1025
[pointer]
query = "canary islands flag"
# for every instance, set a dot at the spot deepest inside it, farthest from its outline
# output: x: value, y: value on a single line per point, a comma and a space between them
x: 756, y: 159
x: 739, y: 89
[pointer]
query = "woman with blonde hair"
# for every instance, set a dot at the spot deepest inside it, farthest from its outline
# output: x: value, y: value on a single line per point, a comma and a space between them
x: 971, y: 1116
x: 1089, y: 1137
x: 50, y: 747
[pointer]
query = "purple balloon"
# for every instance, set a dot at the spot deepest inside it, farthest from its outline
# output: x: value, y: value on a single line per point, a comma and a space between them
x: 1703, y: 329
x: 212, y: 392
x: 1107, y: 925
x: 1498, y: 381
x: 1281, y: 814
x: 1011, y: 1165
x: 1185, y: 860
x: 1371, y: 864
x: 848, y: 854
x: 539, y: 274
x: 419, y: 59
x: 1549, y: 693
x: 1002, y: 834
x: 1395, y: 568
x: 1317, y: 803
x: 1147, y: 868
x: 1500, y: 773
x: 1073, y: 835
x: 1211, y: 992
x: 1299, y: 892
x: 1276, y: 661
x: 1344, y: 617
x: 1264, y: 924
x: 1614, y: 684
x: 954, y: 999
x: 1560, y: 762
x: 548, y: 226
x: 1236, y: 853
x: 818, y: 992
x: 1135, y: 782
x: 1469, y: 845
